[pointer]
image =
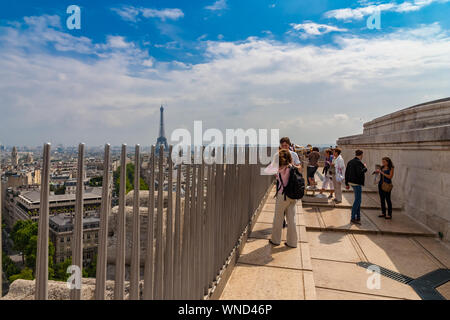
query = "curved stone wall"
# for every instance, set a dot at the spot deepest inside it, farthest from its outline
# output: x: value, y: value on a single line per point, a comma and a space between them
x: 417, y: 139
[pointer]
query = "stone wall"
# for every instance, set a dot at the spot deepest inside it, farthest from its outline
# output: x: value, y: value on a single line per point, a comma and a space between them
x: 417, y: 139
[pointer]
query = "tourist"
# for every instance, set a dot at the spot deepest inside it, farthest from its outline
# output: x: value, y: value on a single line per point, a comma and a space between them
x: 354, y: 176
x: 285, y: 144
x: 284, y: 204
x: 385, y: 186
x: 313, y: 164
x: 327, y: 174
x: 338, y: 174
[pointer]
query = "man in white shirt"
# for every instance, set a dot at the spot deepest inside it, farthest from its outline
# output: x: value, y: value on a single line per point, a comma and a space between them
x: 285, y: 144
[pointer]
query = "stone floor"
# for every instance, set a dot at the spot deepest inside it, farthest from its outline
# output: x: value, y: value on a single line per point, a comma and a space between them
x: 323, y: 266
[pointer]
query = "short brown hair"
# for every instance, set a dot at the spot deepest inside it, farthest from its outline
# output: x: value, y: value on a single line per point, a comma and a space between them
x: 358, y: 152
x: 284, y: 158
x: 285, y: 139
x: 337, y: 150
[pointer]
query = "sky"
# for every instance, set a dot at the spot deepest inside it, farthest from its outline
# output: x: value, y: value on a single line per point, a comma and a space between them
x: 312, y: 69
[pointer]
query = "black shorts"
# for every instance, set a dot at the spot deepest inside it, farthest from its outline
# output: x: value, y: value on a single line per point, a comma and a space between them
x: 311, y: 171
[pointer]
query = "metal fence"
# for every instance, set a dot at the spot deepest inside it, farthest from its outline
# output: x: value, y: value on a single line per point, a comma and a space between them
x: 188, y: 244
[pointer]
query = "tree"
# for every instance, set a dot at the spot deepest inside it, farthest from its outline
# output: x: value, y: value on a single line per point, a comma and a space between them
x: 60, y: 190
x: 130, y: 179
x: 24, y: 236
x: 26, y: 274
x: 9, y: 267
x: 96, y: 182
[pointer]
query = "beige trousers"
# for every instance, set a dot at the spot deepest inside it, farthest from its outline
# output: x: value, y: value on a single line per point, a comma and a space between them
x: 337, y: 189
x: 281, y: 206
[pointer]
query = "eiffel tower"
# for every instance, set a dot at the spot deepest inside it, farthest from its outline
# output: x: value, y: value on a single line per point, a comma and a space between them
x: 161, y: 141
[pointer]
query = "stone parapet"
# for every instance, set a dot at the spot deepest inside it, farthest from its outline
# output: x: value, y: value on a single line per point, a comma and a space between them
x: 417, y: 139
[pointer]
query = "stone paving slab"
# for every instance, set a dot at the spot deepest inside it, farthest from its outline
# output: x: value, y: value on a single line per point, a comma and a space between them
x: 398, y: 254
x: 261, y: 252
x: 369, y: 201
x: 437, y: 249
x: 249, y: 282
x: 331, y: 294
x: 332, y: 246
x: 352, y: 278
x: 400, y: 224
x: 311, y: 218
x: 263, y: 230
x: 445, y: 290
x: 266, y: 216
x: 335, y: 218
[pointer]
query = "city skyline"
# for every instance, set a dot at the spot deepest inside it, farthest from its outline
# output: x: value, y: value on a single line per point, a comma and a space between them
x: 313, y: 70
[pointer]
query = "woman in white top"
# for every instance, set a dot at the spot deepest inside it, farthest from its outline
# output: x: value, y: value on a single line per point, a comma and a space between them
x: 338, y: 169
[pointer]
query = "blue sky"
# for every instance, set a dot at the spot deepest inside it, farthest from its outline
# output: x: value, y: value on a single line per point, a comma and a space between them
x: 310, y: 68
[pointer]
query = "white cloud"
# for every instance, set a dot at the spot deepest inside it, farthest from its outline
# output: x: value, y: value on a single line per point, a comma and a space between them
x: 370, y: 8
x: 310, y: 29
x: 218, y: 5
x: 312, y: 93
x: 132, y: 14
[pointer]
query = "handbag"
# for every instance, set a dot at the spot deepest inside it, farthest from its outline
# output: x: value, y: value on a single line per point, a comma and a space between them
x: 386, y: 187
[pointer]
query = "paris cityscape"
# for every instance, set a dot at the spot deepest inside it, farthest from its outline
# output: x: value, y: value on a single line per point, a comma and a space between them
x: 225, y: 156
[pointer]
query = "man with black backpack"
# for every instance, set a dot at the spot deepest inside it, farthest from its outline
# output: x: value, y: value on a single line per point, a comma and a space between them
x: 290, y: 188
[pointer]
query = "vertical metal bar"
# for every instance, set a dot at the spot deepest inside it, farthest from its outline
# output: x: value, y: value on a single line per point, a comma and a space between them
x: 100, y: 283
x: 200, y: 231
x: 192, y: 231
x: 77, y: 243
x: 177, y: 247
x: 1, y: 231
x: 149, y: 263
x: 158, y: 293
x: 186, y: 235
x: 41, y: 290
x: 135, y: 268
x: 168, y: 254
x: 119, y: 284
x: 208, y: 242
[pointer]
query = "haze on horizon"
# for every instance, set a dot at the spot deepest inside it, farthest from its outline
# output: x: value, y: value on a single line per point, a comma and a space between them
x: 311, y: 69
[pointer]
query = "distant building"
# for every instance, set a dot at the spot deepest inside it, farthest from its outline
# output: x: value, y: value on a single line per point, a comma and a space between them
x: 14, y: 157
x: 25, y: 205
x: 29, y: 158
x: 61, y: 231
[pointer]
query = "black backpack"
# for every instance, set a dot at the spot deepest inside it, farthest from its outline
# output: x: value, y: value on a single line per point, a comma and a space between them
x: 295, y: 188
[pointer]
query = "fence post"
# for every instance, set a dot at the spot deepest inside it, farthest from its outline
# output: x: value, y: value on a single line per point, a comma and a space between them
x: 121, y: 221
x: 191, y: 234
x: 77, y: 243
x: 149, y: 263
x: 41, y: 290
x: 100, y: 282
x: 135, y: 268
x: 177, y: 240
x: 1, y: 231
x: 168, y: 254
x: 159, y: 285
x: 186, y: 236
